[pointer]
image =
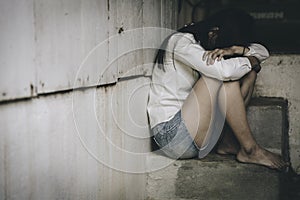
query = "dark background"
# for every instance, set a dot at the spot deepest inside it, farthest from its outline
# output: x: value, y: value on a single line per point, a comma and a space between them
x: 277, y: 21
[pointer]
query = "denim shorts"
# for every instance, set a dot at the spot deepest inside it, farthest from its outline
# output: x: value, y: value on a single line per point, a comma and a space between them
x: 174, y: 140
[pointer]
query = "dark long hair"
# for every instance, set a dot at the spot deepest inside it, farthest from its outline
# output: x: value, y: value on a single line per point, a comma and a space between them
x: 235, y: 28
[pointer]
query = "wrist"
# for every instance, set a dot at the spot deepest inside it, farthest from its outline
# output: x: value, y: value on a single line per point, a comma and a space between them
x: 256, y: 68
x: 239, y: 50
x: 255, y: 64
x: 253, y: 60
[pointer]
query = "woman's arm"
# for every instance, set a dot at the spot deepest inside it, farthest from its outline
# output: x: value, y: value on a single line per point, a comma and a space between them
x: 187, y: 51
x: 256, y: 50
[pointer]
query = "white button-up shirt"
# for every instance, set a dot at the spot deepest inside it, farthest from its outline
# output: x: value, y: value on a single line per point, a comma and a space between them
x: 183, y: 65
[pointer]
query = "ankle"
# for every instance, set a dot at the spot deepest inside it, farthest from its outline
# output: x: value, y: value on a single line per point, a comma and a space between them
x: 251, y: 149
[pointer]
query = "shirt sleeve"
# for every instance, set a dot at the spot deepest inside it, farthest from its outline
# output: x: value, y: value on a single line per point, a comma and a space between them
x: 187, y: 51
x: 258, y: 51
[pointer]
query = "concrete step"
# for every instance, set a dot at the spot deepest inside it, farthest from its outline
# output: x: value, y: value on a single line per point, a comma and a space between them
x: 268, y: 120
x: 218, y: 178
x: 215, y: 177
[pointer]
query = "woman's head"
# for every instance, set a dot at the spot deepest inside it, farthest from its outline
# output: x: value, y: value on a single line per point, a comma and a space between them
x: 223, y: 29
x: 235, y: 28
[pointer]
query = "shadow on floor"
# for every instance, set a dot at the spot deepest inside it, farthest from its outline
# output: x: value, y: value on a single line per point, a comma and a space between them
x: 289, y: 186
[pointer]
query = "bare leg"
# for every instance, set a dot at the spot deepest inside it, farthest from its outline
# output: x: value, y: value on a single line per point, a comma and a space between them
x: 247, y: 86
x: 198, y: 110
x: 228, y: 143
x: 250, y: 151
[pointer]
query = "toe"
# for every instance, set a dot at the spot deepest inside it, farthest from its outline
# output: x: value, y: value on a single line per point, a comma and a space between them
x: 281, y: 164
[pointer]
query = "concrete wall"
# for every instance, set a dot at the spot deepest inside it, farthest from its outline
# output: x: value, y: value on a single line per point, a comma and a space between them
x: 73, y: 93
x: 76, y: 145
x: 279, y: 78
x: 49, y: 46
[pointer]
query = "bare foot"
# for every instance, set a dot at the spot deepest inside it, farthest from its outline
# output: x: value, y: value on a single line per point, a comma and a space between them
x: 261, y: 156
x: 227, y: 150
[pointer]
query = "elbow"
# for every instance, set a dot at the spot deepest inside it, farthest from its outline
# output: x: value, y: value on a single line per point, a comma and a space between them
x: 263, y: 57
x: 266, y: 54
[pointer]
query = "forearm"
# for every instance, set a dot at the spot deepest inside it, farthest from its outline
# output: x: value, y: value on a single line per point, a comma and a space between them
x: 254, y: 57
x: 224, y: 70
x: 254, y: 60
x: 240, y: 50
x: 190, y: 53
x: 256, y: 50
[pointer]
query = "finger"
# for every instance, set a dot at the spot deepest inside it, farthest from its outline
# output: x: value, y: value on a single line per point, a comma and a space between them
x: 216, y: 53
x: 207, y: 60
x: 211, y: 60
x: 279, y: 164
x: 208, y: 57
x: 282, y: 166
x: 220, y: 56
x: 224, y: 52
x: 204, y: 55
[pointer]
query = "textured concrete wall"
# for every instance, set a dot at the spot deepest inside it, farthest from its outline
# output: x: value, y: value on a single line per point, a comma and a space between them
x: 280, y: 78
x: 89, y: 143
x: 56, y: 45
x: 17, y: 51
x: 77, y: 145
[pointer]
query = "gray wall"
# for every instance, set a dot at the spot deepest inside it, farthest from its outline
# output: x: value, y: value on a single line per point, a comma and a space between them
x: 73, y: 93
x: 280, y: 78
x: 76, y: 145
x: 49, y: 46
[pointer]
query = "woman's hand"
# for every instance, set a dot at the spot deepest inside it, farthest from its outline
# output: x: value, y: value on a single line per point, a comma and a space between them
x: 211, y: 56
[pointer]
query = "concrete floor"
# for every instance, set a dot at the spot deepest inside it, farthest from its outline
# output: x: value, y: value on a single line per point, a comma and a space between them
x: 220, y: 177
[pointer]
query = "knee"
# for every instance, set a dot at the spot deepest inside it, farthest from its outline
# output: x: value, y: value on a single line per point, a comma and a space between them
x: 211, y: 82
